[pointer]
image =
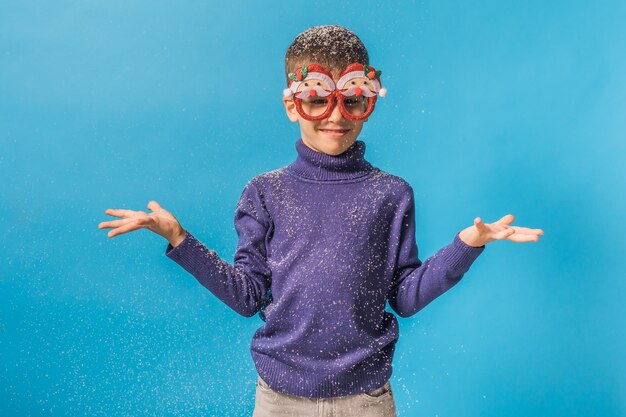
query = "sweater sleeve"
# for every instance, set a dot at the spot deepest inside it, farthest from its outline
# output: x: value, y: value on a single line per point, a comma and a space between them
x: 416, y: 284
x: 242, y: 286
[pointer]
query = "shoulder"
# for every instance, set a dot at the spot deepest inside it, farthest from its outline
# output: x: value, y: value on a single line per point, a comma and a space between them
x: 392, y: 183
x: 269, y: 176
x: 265, y: 181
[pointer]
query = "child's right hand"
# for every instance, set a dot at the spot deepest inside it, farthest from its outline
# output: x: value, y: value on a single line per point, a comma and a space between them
x: 159, y: 221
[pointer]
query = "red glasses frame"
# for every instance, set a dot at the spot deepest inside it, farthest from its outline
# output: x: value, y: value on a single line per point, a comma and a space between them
x: 336, y: 98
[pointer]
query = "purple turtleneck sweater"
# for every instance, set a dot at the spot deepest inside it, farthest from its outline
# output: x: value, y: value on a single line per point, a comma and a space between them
x: 333, y: 239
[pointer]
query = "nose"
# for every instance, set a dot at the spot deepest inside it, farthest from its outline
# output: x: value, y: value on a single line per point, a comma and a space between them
x: 336, y: 116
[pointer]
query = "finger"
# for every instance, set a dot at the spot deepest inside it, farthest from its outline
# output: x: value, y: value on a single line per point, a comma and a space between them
x: 118, y: 223
x: 154, y: 206
x: 121, y: 212
x: 114, y: 223
x: 508, y: 219
x: 527, y: 230
x: 504, y: 234
x: 128, y: 227
x: 523, y: 238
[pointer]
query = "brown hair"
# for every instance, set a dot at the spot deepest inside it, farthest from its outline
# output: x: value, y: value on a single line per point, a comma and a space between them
x: 333, y: 47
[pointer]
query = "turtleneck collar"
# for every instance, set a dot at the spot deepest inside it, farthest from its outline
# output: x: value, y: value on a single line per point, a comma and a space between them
x: 319, y: 166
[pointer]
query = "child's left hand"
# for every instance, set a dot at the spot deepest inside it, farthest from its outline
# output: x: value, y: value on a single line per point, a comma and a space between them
x: 480, y: 233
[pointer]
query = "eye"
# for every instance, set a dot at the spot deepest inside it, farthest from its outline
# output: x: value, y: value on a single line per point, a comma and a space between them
x: 306, y: 84
x: 317, y: 101
x: 352, y: 102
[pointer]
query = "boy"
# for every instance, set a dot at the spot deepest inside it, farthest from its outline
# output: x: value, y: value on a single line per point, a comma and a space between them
x: 324, y: 243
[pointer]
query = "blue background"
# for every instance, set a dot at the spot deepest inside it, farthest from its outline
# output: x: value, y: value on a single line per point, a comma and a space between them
x: 493, y: 108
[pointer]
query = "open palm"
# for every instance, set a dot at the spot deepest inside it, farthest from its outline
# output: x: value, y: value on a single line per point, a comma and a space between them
x: 159, y: 221
x: 482, y: 233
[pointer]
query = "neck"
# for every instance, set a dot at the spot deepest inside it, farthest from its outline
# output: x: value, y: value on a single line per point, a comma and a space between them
x: 319, y: 166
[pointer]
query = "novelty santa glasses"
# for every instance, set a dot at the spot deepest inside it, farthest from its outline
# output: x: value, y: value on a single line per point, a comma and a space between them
x: 314, y: 92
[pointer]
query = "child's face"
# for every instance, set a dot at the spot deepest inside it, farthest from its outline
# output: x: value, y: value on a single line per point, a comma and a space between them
x: 332, y: 136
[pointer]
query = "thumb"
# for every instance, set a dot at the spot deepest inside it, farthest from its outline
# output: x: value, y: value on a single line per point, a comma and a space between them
x: 153, y: 205
x: 478, y: 222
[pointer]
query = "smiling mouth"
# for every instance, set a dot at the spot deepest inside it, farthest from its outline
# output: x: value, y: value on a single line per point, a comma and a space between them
x: 335, y: 131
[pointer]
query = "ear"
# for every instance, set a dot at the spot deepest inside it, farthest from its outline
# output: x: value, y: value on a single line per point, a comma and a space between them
x: 290, y: 108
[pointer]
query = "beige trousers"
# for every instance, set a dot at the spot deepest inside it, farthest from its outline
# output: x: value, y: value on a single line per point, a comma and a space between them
x: 376, y: 403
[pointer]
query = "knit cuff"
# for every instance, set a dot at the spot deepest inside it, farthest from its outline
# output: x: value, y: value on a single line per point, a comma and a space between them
x: 172, y: 251
x: 185, y: 253
x: 192, y: 255
x: 460, y: 255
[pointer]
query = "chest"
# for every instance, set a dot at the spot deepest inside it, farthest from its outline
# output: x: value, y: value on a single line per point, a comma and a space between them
x: 331, y: 216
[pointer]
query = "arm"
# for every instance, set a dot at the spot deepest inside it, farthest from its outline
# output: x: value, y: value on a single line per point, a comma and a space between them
x: 416, y: 284
x: 243, y: 285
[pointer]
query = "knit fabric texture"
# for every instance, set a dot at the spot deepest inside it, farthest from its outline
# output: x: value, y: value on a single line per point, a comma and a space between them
x: 324, y: 244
